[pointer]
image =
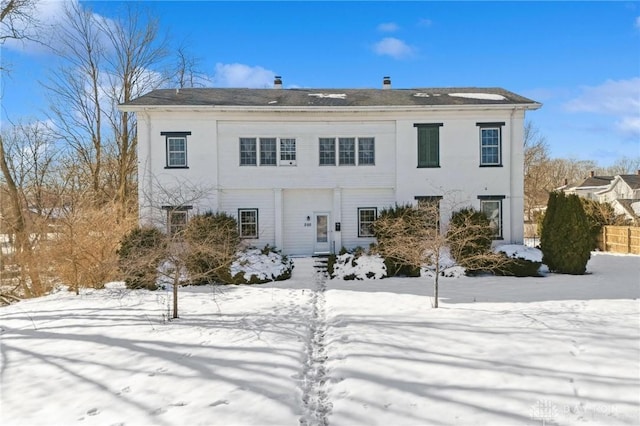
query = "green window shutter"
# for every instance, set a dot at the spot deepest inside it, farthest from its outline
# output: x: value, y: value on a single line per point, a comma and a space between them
x: 428, y: 146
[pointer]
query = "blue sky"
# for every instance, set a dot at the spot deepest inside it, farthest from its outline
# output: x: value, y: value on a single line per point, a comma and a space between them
x: 580, y: 59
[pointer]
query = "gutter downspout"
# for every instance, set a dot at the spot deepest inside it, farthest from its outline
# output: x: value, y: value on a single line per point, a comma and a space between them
x: 147, y: 166
x: 512, y: 185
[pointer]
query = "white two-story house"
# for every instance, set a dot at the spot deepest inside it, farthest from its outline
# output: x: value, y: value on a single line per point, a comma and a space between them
x: 308, y: 170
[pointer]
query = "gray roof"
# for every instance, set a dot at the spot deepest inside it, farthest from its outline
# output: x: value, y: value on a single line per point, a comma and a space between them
x: 331, y: 97
x: 596, y: 181
x: 632, y: 180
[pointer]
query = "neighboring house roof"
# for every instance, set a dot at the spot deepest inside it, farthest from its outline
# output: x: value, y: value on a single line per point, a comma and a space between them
x: 632, y: 180
x: 275, y: 98
x: 596, y: 181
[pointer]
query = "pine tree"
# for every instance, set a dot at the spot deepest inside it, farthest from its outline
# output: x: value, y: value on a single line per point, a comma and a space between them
x: 565, y: 238
x: 548, y: 233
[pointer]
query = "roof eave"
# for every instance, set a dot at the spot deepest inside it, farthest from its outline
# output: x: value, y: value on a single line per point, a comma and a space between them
x: 374, y: 108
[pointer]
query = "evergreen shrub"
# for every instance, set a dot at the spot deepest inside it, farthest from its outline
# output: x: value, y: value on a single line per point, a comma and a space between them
x: 141, y: 251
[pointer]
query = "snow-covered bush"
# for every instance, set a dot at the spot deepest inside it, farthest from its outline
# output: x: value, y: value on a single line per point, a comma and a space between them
x: 523, y: 261
x: 255, y: 266
x: 358, y: 266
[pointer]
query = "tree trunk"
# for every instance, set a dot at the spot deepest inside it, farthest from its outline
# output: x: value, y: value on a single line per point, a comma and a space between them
x: 23, y: 247
x: 176, y: 282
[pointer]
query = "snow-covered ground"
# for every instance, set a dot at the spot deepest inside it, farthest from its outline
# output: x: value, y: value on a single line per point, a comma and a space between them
x: 502, y: 351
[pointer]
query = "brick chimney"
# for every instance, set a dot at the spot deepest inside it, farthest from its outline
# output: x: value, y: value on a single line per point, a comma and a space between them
x: 277, y: 83
x: 386, y: 83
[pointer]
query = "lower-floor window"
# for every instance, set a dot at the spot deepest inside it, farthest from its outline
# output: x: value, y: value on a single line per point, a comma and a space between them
x: 177, y: 218
x: 366, y: 217
x: 248, y: 223
x: 491, y: 206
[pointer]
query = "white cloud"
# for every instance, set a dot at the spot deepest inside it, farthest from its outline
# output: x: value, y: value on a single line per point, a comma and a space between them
x: 393, y: 47
x: 423, y: 22
x: 638, y: 22
x: 388, y: 27
x: 629, y: 126
x: 240, y: 75
x: 618, y: 98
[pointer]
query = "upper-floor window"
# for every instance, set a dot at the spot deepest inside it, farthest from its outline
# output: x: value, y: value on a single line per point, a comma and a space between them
x: 491, y: 206
x: 176, y: 148
x: 248, y: 223
x: 268, y: 151
x: 366, y: 151
x: 248, y: 152
x: 349, y: 153
x: 428, y: 144
x: 366, y: 217
x: 287, y: 151
x: 327, y: 151
x: 490, y: 144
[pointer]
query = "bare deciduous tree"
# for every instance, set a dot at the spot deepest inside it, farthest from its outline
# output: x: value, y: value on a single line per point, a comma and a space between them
x: 415, y: 236
x: 26, y: 162
x: 170, y: 206
x: 105, y: 63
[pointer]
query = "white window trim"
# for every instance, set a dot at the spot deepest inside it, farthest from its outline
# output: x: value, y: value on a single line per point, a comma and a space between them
x: 375, y: 216
x: 279, y: 152
x: 356, y: 151
x: 490, y: 126
x: 240, y: 224
x: 500, y: 200
x: 176, y: 135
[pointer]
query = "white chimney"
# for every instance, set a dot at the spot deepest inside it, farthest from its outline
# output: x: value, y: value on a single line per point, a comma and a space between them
x: 386, y: 83
x: 277, y: 83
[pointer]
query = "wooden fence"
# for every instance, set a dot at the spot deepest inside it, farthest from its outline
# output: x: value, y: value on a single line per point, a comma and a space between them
x: 620, y: 239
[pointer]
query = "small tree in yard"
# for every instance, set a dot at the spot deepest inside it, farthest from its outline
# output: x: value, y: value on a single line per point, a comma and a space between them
x: 565, y: 238
x: 412, y: 235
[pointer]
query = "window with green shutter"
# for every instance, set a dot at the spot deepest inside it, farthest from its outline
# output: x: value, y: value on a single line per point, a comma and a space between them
x: 428, y: 144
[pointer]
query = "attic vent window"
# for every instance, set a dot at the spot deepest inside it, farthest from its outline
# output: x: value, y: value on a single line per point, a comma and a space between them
x: 483, y: 96
x: 329, y: 95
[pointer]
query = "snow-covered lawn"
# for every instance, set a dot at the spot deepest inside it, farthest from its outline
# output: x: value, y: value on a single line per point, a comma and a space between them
x: 554, y: 350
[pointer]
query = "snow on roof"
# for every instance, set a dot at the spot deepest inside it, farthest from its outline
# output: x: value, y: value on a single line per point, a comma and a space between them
x: 484, y: 96
x: 329, y: 95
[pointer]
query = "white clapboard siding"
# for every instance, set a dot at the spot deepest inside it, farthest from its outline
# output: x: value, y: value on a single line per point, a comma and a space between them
x: 298, y: 204
x: 307, y: 173
x: 352, y: 199
x: 233, y: 199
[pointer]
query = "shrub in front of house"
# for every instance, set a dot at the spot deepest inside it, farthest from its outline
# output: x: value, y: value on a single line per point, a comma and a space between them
x: 394, y: 266
x: 212, y: 240
x: 356, y: 265
x: 140, y: 254
x: 565, y: 239
x: 258, y: 266
x: 519, y: 261
x: 469, y: 237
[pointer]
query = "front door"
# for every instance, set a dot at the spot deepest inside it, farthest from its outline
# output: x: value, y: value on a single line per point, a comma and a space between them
x: 322, y: 240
